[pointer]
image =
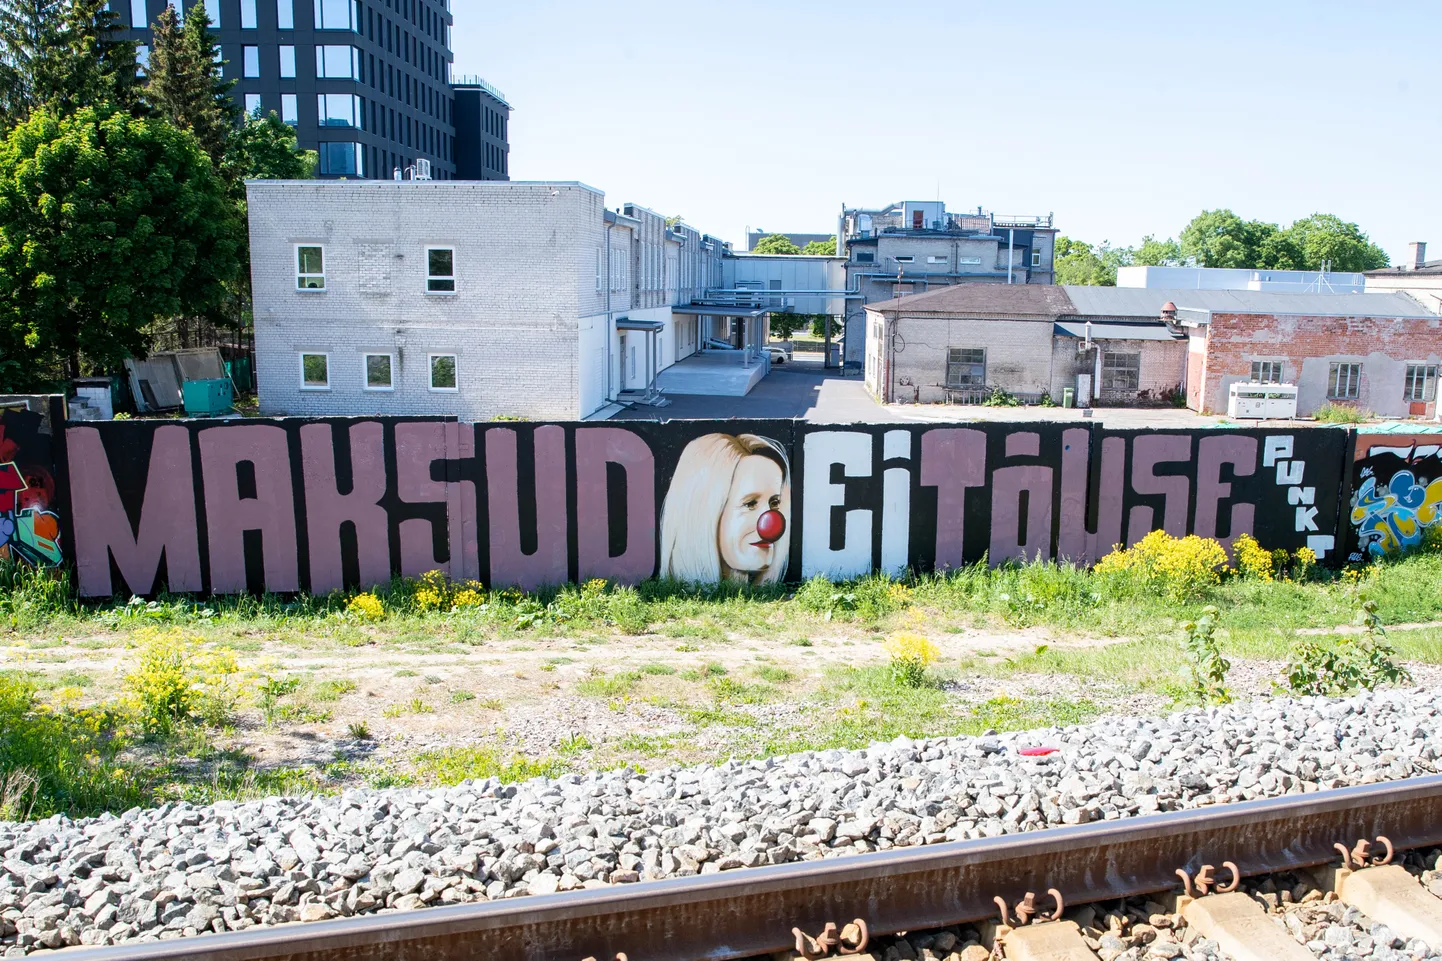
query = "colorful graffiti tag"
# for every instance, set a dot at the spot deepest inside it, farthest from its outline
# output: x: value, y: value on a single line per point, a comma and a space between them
x: 29, y: 527
x: 1394, y: 502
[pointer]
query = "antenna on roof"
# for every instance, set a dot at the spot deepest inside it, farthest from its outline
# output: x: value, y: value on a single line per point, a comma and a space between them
x: 1321, y: 282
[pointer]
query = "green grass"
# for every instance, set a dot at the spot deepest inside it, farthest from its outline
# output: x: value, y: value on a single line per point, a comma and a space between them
x: 451, y: 766
x: 608, y: 685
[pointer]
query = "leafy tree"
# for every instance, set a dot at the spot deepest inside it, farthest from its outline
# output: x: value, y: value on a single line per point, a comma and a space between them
x: 1158, y: 253
x: 1327, y: 238
x: 1080, y: 263
x: 775, y: 244
x: 785, y: 323
x: 107, y: 222
x: 821, y: 248
x: 1219, y: 238
x: 185, y: 82
x: 63, y: 55
x: 264, y: 148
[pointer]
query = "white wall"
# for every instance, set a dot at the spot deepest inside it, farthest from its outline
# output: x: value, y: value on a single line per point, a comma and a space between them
x: 1220, y: 278
x: 793, y: 272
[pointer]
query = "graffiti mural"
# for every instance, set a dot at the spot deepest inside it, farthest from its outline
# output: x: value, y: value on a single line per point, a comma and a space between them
x: 29, y: 518
x: 1396, y: 492
x: 320, y: 504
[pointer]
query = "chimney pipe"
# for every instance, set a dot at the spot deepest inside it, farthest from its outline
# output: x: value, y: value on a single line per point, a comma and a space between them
x: 1419, y: 254
x: 1169, y: 313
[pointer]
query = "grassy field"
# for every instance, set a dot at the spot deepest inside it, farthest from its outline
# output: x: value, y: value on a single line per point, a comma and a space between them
x: 107, y: 705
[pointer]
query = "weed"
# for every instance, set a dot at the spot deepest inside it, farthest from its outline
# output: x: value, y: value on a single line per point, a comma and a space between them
x: 405, y: 672
x: 451, y: 766
x: 609, y: 686
x: 358, y: 730
x: 776, y: 675
x: 1206, y: 668
x: 461, y: 697
x: 573, y: 744
x: 910, y: 655
x: 334, y: 689
x: 366, y: 607
x: 687, y: 648
x: 800, y: 642
x: 1345, y: 664
x: 1334, y: 413
x: 1181, y: 568
x: 269, y: 693
x: 706, y: 671
x: 414, y: 706
x: 660, y: 670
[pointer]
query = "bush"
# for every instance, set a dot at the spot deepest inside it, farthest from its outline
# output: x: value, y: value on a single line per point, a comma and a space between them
x: 164, y: 687
x: 867, y: 598
x: 30, y: 596
x: 910, y: 654
x: 1182, y: 568
x: 366, y: 607
x: 1346, y: 664
x: 1253, y: 560
x: 1332, y: 413
x: 627, y: 611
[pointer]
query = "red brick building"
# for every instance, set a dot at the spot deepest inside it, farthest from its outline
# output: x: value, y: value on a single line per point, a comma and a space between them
x: 1380, y: 352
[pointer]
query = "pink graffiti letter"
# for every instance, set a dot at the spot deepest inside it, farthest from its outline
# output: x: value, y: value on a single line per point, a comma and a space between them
x: 951, y: 461
x: 595, y: 448
x: 326, y: 508
x: 1212, y: 453
x: 228, y: 515
x: 547, y: 565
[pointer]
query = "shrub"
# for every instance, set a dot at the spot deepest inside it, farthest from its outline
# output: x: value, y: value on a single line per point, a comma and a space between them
x: 910, y: 654
x: 30, y: 596
x: 627, y: 611
x: 1304, y: 564
x: 165, y: 686
x: 1206, y: 668
x: 867, y: 598
x: 1253, y: 560
x: 1333, y: 413
x: 366, y: 607
x: 1179, y: 567
x: 1346, y: 664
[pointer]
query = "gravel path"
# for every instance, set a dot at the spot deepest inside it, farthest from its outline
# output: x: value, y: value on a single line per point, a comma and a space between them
x: 182, y: 869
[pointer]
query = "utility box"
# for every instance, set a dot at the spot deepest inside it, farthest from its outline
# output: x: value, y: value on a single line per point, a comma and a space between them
x: 206, y: 398
x: 1253, y: 401
x: 1083, y: 390
x: 1068, y: 396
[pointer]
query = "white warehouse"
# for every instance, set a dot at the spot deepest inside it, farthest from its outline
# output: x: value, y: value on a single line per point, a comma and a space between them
x: 481, y: 299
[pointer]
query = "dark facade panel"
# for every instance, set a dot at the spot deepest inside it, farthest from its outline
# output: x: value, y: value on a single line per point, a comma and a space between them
x: 482, y: 134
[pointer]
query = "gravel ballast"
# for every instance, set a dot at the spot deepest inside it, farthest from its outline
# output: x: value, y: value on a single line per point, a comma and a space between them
x: 183, y: 869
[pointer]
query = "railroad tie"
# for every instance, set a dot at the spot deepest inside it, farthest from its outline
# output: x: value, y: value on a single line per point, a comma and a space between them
x: 1049, y: 941
x: 1242, y: 929
x: 1391, y: 896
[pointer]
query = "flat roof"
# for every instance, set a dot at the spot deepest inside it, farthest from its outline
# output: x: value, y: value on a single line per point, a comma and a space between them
x: 721, y: 311
x: 1078, y: 329
x: 1148, y: 301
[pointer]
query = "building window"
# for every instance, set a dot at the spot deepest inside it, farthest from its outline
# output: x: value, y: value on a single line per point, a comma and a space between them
x: 1121, y: 371
x: 905, y: 260
x: 252, y: 104
x: 139, y: 19
x: 285, y: 14
x: 251, y: 58
x: 865, y: 257
x: 309, y: 268
x: 1036, y: 258
x: 378, y: 372
x: 337, y: 62
x: 338, y: 109
x: 1267, y: 371
x: 336, y: 15
x: 142, y: 58
x: 289, y: 109
x: 936, y: 260
x: 247, y: 14
x: 314, y: 371
x: 443, y: 372
x: 341, y: 159
x: 965, y: 367
x: 1420, y: 383
x: 440, y: 270
x: 287, y: 61
x: 1344, y: 381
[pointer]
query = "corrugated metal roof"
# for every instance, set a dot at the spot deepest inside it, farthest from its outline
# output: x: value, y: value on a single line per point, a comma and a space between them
x: 1147, y: 302
x: 1078, y: 329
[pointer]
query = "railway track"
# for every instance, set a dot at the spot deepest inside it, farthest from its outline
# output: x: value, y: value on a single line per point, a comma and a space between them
x: 758, y: 911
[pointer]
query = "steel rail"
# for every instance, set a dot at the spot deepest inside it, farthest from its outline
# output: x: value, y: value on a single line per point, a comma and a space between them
x: 752, y: 911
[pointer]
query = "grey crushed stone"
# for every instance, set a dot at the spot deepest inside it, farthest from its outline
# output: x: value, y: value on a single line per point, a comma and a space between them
x: 183, y: 869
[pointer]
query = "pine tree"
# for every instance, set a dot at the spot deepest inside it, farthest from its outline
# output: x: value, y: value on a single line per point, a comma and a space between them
x: 90, y: 66
x: 185, y: 83
x: 29, y: 35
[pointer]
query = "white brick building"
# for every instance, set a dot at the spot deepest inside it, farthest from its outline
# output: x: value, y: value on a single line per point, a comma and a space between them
x: 476, y: 299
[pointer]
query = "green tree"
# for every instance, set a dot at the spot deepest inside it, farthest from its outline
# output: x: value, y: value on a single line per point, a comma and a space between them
x: 90, y: 64
x: 1219, y: 238
x: 1158, y: 253
x: 185, y: 83
x: 775, y: 244
x: 1082, y: 264
x: 821, y: 248
x: 1328, y: 239
x: 264, y: 147
x: 29, y: 33
x: 107, y: 222
x: 785, y: 323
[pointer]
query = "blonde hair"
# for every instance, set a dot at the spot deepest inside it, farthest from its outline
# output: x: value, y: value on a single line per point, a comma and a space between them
x: 691, y: 514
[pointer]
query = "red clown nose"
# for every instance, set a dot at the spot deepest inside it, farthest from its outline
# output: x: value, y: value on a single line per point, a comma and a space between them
x: 770, y: 526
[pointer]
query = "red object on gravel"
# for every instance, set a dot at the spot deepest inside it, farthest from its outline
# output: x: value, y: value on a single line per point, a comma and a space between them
x: 1036, y: 751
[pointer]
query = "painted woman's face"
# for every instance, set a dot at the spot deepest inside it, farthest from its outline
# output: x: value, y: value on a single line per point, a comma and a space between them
x: 755, y: 489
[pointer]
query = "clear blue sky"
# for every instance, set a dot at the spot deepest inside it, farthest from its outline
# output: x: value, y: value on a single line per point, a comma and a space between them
x: 1123, y: 118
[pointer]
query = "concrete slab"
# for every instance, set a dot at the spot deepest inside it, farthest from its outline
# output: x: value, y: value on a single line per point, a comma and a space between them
x: 1392, y: 896
x: 1242, y: 928
x: 713, y: 373
x: 1048, y: 941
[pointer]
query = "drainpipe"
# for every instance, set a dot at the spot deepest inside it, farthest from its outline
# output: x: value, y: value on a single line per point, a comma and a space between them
x: 1010, y: 236
x: 607, y: 281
